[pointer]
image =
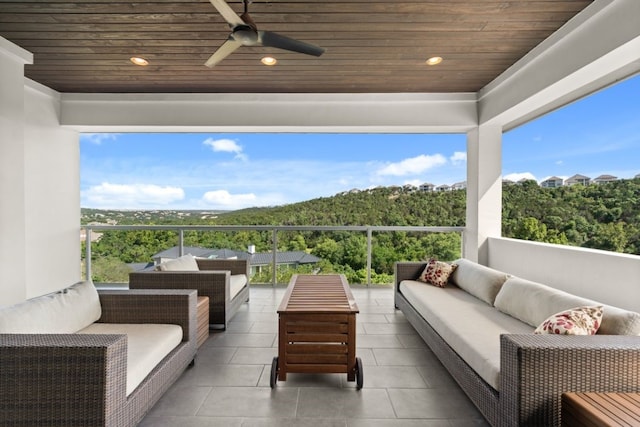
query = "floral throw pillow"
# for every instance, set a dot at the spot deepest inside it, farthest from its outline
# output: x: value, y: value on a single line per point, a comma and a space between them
x: 437, y: 273
x: 575, y: 321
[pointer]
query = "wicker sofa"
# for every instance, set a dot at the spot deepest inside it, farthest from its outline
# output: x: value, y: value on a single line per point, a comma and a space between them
x: 78, y: 364
x: 224, y: 281
x: 513, y: 376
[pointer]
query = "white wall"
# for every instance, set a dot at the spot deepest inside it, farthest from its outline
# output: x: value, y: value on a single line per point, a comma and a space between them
x: 52, y: 182
x: 39, y: 187
x: 607, y: 277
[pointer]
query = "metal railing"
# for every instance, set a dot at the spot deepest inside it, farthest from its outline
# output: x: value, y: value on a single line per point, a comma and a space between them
x: 369, y: 230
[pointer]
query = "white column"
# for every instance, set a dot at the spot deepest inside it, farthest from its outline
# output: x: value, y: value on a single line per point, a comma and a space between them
x: 484, y: 191
x: 12, y: 173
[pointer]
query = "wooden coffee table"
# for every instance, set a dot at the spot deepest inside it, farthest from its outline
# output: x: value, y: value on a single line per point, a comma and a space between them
x: 317, y: 329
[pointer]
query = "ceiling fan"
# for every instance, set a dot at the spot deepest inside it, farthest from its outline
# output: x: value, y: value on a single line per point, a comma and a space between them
x: 244, y: 32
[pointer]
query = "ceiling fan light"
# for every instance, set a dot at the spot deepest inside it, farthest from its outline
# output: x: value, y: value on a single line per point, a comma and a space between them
x: 269, y: 60
x: 138, y: 60
x: 434, y: 60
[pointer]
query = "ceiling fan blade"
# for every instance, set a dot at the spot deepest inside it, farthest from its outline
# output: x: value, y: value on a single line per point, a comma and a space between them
x: 267, y: 38
x: 227, y: 13
x: 223, y: 51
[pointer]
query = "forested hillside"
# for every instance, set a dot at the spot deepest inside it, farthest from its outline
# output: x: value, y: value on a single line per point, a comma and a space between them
x: 604, y: 216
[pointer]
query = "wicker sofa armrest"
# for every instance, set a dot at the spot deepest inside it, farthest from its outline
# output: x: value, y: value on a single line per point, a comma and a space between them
x: 405, y: 270
x: 235, y: 266
x: 167, y: 306
x: 536, y: 369
x: 55, y: 378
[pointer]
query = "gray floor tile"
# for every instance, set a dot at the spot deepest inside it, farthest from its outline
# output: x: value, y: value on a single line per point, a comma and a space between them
x: 152, y: 421
x: 293, y: 422
x: 404, y: 383
x: 389, y: 328
x: 243, y: 340
x: 180, y: 401
x: 398, y: 423
x: 254, y: 356
x: 344, y: 403
x: 403, y: 356
x: 392, y: 377
x: 412, y: 341
x: 378, y: 341
x: 209, y: 355
x: 222, y: 375
x: 250, y: 402
x: 432, y: 403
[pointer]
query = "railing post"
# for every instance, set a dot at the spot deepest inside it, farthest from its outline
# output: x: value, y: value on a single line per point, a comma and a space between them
x: 180, y: 242
x: 274, y: 280
x: 87, y: 254
x: 369, y: 234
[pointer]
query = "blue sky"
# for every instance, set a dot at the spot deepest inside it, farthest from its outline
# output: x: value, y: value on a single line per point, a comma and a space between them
x: 597, y: 135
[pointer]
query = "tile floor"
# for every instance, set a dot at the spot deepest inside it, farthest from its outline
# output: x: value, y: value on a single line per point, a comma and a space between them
x: 404, y: 384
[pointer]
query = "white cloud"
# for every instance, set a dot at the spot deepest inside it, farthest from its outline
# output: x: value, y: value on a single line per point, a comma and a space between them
x: 458, y: 158
x: 222, y: 199
x: 225, y: 146
x: 131, y: 195
x: 515, y: 177
x: 413, y: 166
x: 98, y: 138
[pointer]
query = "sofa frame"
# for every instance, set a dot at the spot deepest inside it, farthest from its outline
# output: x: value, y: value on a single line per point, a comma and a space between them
x: 534, y: 369
x: 80, y: 379
x: 213, y: 281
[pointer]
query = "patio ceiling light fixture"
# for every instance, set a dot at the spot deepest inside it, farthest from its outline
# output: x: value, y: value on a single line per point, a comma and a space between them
x: 269, y: 60
x: 434, y: 60
x: 137, y: 60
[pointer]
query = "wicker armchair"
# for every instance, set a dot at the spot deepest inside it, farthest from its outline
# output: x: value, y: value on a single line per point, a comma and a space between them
x: 213, y: 280
x: 78, y: 379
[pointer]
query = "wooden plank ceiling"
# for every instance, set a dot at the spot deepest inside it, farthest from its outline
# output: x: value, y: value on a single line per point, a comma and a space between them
x: 371, y: 46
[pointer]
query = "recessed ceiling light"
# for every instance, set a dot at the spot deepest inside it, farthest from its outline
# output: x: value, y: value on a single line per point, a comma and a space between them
x: 269, y: 60
x: 139, y: 61
x: 434, y: 60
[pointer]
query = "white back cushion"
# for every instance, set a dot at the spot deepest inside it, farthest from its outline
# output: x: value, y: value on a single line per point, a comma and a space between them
x: 184, y: 263
x: 480, y: 281
x: 534, y: 302
x: 63, y: 312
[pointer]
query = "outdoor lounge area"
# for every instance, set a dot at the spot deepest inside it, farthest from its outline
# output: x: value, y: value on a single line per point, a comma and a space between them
x: 404, y: 383
x: 65, y: 70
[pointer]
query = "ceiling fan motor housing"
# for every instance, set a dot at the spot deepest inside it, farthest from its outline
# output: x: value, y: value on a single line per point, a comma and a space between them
x: 245, y: 35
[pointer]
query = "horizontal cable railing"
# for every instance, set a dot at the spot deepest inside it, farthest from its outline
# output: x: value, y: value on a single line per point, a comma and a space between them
x: 274, y: 229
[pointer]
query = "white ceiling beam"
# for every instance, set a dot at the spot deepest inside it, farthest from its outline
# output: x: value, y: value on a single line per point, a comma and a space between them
x: 599, y: 46
x: 396, y: 113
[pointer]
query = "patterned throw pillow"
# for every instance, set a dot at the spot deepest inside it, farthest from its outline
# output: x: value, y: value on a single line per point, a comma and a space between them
x: 575, y: 321
x: 437, y: 273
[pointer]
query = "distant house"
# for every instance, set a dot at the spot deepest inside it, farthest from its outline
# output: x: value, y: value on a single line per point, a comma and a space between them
x: 443, y: 187
x: 257, y: 260
x: 578, y: 179
x: 605, y: 178
x: 637, y: 176
x: 459, y: 185
x: 427, y: 186
x: 290, y: 259
x: 552, y: 182
x: 173, y: 253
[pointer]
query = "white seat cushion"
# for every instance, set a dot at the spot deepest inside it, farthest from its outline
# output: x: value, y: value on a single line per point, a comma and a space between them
x: 236, y: 283
x: 147, y: 345
x: 469, y: 325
